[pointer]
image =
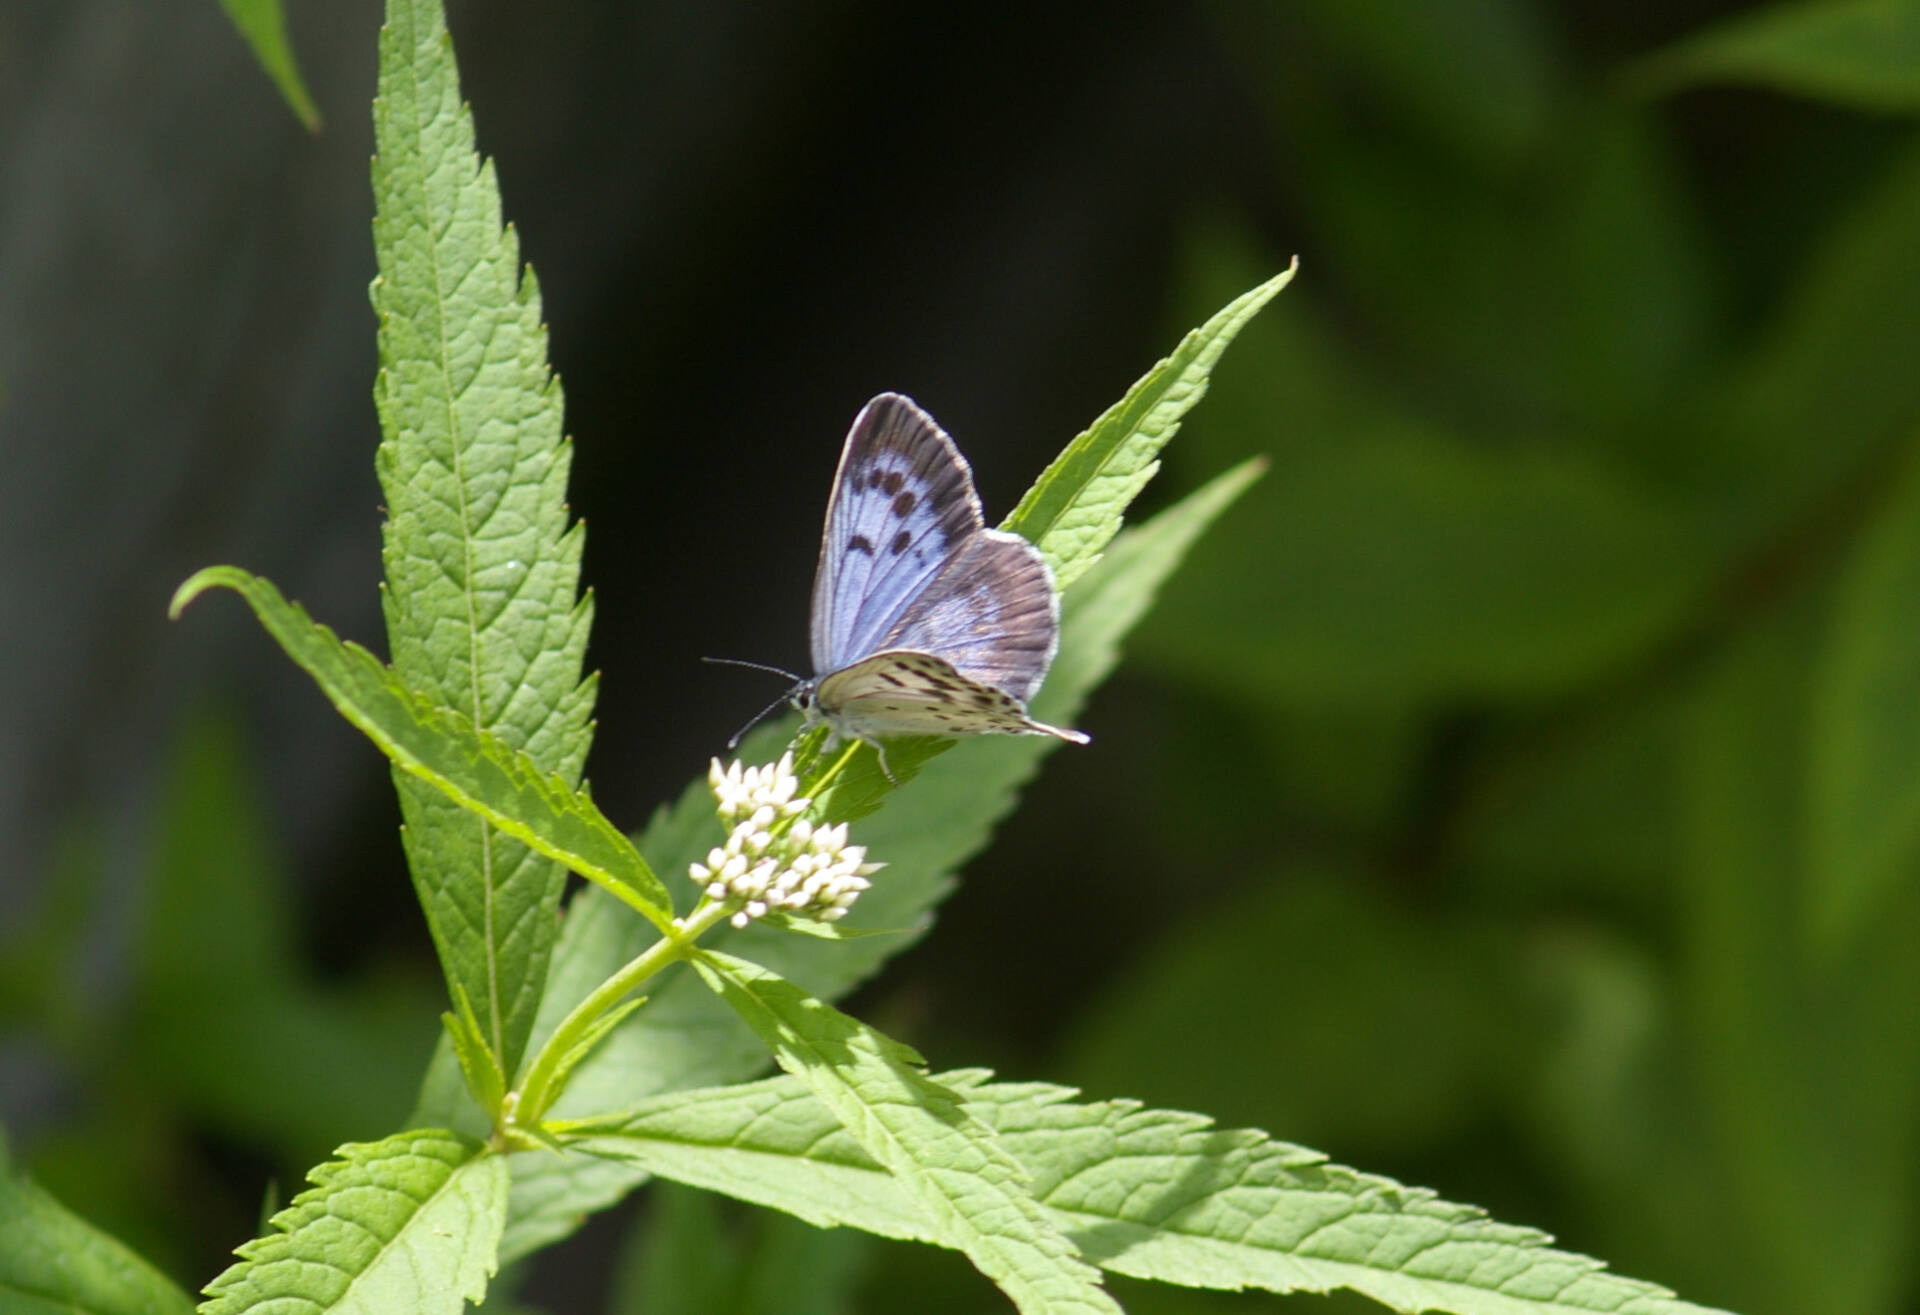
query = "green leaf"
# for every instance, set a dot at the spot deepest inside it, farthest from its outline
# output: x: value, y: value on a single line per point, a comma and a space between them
x: 1859, y: 53
x: 482, y: 570
x: 1388, y: 55
x: 690, y: 1254
x: 1408, y: 568
x: 1597, y: 823
x: 1829, y: 386
x: 1443, y: 236
x: 1103, y: 612
x: 226, y: 1026
x: 1153, y: 1194
x: 681, y: 1258
x: 536, y: 1101
x: 1107, y: 605
x: 52, y: 1262
x: 439, y: 746
x: 409, y: 1223
x: 1075, y: 508
x: 1863, y: 831
x: 485, y: 1082
x: 1404, y: 1058
x: 1609, y: 350
x: 264, y: 26
x: 216, y: 1024
x: 947, y: 1165
x: 1808, y: 1065
x: 1071, y: 513
x: 686, y: 1037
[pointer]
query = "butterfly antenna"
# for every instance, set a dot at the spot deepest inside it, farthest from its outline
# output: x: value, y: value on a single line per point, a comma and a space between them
x: 753, y: 666
x: 765, y: 712
x: 758, y: 717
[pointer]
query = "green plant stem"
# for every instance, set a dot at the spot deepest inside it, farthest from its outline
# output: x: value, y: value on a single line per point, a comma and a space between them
x: 825, y: 778
x: 536, y: 1095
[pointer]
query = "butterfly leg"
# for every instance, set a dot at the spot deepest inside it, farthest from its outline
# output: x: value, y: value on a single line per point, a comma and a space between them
x: 880, y: 752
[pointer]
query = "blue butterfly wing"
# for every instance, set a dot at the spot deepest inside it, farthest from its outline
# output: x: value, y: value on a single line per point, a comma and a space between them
x: 991, y: 612
x: 903, y: 506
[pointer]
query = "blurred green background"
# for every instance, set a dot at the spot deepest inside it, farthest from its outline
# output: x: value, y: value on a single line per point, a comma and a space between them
x: 1519, y: 794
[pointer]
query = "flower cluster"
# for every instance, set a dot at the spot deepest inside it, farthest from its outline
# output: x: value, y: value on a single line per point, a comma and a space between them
x: 774, y: 859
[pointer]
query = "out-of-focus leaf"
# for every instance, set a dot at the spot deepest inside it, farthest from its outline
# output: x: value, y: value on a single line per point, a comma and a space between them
x: 1563, y: 291
x: 1410, y: 569
x: 683, y: 1256
x: 1830, y: 381
x: 1809, y: 1064
x: 264, y: 25
x: 1860, y: 53
x: 1863, y: 828
x: 1585, y: 811
x: 1611, y: 1103
x: 1322, y: 1042
x: 52, y: 1261
x: 1406, y: 56
x: 41, y: 952
x: 224, y: 1020
x: 679, y: 1257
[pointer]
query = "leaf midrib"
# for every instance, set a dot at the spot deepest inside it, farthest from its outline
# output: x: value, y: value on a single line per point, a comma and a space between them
x: 495, y: 1024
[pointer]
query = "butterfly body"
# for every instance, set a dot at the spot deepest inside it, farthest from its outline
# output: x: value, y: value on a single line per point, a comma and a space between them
x: 924, y: 621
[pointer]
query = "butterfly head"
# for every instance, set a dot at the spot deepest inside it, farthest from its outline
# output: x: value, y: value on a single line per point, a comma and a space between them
x: 804, y: 698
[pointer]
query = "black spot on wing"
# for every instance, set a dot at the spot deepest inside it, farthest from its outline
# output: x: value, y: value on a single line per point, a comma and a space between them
x: 904, y: 503
x: 901, y: 542
x: 860, y: 543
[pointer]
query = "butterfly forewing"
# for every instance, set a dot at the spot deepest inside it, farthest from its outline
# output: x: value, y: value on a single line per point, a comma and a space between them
x: 902, y: 504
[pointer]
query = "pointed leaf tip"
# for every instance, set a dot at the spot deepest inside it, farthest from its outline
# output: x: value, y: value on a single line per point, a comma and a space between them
x: 198, y: 583
x: 1080, y: 501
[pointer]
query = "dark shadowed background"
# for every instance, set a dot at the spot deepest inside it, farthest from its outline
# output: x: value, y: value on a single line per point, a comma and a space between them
x: 1458, y: 812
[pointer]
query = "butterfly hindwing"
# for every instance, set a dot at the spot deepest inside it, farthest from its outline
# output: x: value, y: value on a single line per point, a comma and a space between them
x: 908, y: 693
x: 991, y: 612
x: 902, y: 504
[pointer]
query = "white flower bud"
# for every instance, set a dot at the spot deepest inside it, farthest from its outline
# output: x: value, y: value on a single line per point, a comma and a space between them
x: 808, y: 868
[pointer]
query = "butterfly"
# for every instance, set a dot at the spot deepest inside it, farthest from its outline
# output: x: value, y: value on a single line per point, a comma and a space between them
x: 924, y: 621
